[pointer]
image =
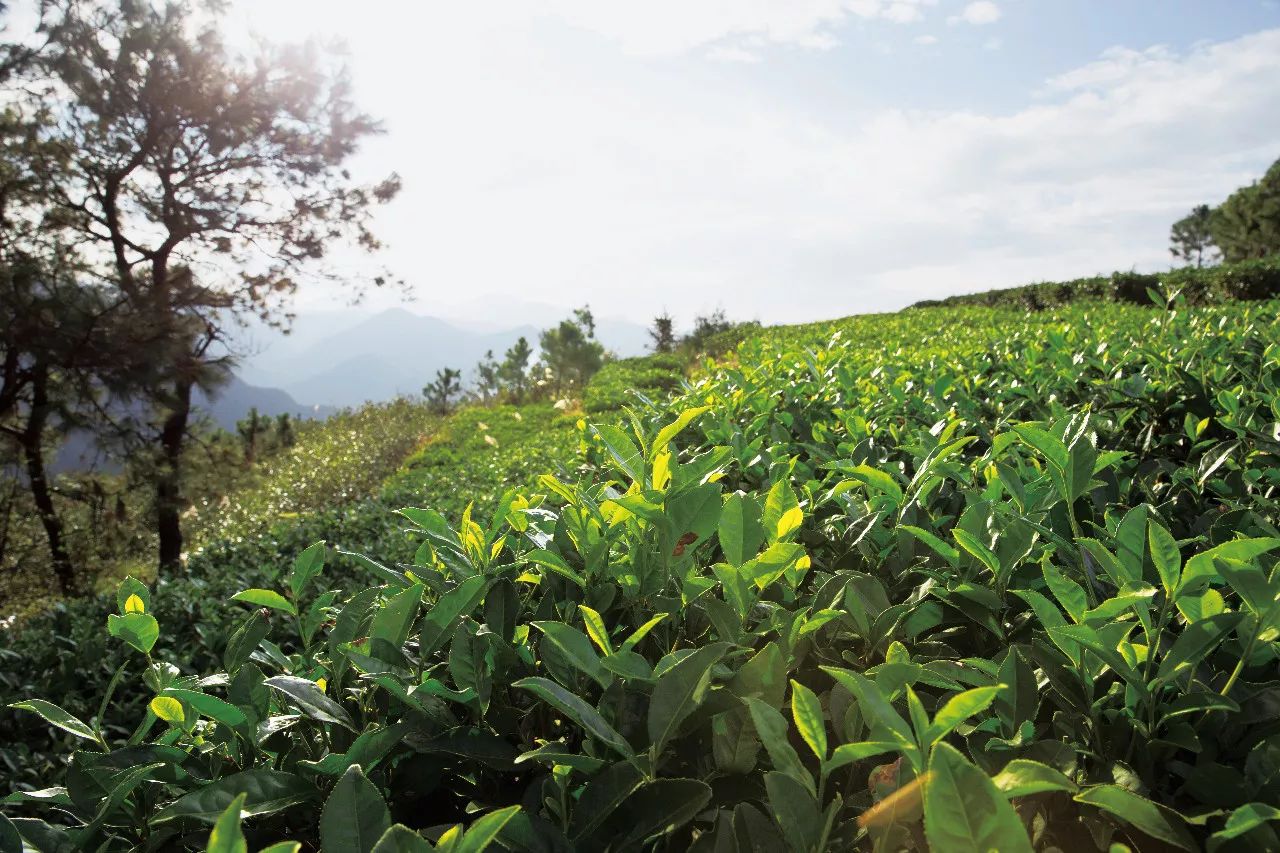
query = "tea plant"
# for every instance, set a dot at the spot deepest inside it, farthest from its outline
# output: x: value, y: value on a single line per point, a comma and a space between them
x: 959, y: 579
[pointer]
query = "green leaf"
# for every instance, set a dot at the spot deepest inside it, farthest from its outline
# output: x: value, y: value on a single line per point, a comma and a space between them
x: 1201, y: 566
x: 1143, y: 815
x: 771, y: 729
x: 1019, y: 698
x: 401, y: 839
x: 1069, y: 593
x: 54, y: 715
x: 679, y: 691
x: 266, y: 792
x: 963, y: 809
x: 970, y: 543
x: 659, y: 807
x: 603, y: 794
x: 773, y: 563
x: 355, y: 816
x: 795, y: 809
x: 131, y: 586
x: 367, y: 750
x: 554, y: 562
x: 577, y: 650
x: 10, y: 840
x: 311, y: 700
x: 878, y: 480
x: 596, y: 630
x: 951, y: 555
x: 959, y: 708
x: 782, y: 513
x: 481, y: 834
x: 1022, y: 777
x: 393, y: 620
x: 639, y: 634
x: 210, y: 706
x: 878, y: 713
x: 226, y: 836
x: 1251, y: 584
x: 1120, y: 604
x: 1110, y: 563
x: 764, y: 676
x: 266, y: 598
x: 674, y: 428
x: 1049, y: 447
x: 1131, y: 541
x: 848, y: 753
x: 306, y: 566
x: 442, y: 617
x: 1165, y: 555
x: 140, y: 630
x: 806, y: 711
x: 623, y: 450
x: 734, y: 744
x: 741, y: 533
x: 168, y: 709
x: 578, y: 710
x: 1195, y: 642
x: 1246, y: 819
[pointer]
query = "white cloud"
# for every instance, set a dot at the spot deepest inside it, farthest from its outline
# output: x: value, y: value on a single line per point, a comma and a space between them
x: 926, y: 40
x: 541, y: 163
x: 664, y: 27
x: 732, y: 53
x: 978, y: 13
x: 993, y: 43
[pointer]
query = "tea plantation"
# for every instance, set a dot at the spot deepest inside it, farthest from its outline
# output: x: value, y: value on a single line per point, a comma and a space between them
x: 961, y: 578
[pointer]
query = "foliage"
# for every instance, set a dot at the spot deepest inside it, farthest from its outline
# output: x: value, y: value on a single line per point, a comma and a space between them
x: 1248, y: 280
x: 1247, y: 224
x: 1018, y: 572
x: 193, y: 185
x: 1190, y: 239
x: 663, y: 333
x: 513, y: 373
x: 443, y: 390
x: 632, y: 381
x: 323, y: 492
x: 705, y: 327
x: 571, y: 355
x: 327, y: 464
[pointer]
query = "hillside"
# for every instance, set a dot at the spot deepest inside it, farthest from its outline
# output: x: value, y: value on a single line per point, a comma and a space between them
x: 962, y: 577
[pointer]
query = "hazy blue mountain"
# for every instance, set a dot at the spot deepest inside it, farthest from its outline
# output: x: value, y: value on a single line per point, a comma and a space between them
x: 233, y: 401
x: 79, y: 451
x: 395, y: 351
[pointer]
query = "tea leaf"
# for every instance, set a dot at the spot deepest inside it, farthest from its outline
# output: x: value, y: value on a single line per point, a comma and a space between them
x: 963, y: 809
x: 266, y: 598
x: 577, y: 710
x: 355, y: 816
x: 1140, y: 813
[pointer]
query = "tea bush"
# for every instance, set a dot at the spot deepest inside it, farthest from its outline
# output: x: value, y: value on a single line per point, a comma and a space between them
x: 1245, y: 280
x: 960, y: 579
x: 619, y: 382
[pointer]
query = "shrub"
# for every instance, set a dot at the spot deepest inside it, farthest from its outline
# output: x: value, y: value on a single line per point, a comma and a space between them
x: 1247, y: 280
x: 1017, y: 572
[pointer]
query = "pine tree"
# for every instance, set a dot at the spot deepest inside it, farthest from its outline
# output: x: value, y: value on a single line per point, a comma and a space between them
x: 663, y: 333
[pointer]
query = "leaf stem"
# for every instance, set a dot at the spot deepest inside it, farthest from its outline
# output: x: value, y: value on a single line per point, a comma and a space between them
x: 102, y: 708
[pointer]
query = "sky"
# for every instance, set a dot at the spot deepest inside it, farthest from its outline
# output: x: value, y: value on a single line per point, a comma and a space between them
x: 789, y: 160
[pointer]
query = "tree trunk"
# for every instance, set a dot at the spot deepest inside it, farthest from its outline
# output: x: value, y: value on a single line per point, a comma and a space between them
x: 33, y: 453
x: 169, y: 480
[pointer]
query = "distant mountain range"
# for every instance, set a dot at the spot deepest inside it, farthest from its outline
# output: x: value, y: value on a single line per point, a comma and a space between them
x: 376, y: 357
x: 334, y: 359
